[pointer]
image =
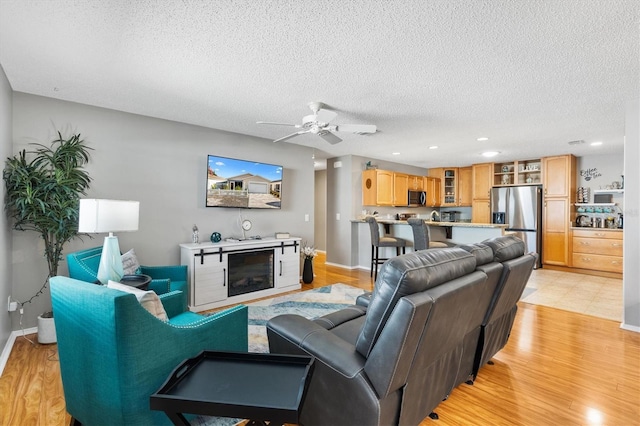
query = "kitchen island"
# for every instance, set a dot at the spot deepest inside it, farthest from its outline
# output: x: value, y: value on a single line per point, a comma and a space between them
x: 452, y: 233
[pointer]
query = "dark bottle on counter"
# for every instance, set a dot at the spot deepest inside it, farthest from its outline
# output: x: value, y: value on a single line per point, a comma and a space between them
x: 620, y: 221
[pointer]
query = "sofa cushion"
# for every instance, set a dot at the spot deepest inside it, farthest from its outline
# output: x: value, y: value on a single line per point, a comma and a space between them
x: 482, y: 252
x: 148, y: 299
x: 506, y: 248
x: 408, y: 274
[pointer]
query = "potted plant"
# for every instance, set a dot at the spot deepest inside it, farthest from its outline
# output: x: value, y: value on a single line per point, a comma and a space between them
x: 43, y: 189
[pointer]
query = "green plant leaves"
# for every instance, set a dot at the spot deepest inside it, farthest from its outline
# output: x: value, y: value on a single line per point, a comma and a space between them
x: 43, y: 189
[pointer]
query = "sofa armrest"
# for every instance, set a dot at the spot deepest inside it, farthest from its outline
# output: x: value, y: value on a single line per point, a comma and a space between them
x: 173, y: 303
x: 172, y: 272
x: 160, y: 286
x: 298, y: 332
x: 364, y: 299
x: 337, y: 318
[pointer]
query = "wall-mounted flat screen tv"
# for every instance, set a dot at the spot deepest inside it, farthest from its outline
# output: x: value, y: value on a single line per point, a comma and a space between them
x: 243, y: 184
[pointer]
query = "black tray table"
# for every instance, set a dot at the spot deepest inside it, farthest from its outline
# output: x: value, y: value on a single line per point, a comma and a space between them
x: 256, y: 386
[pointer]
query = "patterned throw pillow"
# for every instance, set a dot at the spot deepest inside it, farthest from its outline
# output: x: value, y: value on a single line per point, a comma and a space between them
x: 130, y: 263
x: 148, y: 299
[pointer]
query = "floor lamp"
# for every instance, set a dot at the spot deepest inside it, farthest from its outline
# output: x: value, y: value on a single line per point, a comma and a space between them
x: 97, y: 216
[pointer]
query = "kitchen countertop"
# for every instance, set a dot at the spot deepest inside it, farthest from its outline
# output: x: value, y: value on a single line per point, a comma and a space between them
x: 386, y: 221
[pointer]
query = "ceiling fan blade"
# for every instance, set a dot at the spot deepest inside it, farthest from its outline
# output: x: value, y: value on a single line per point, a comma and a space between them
x: 330, y: 137
x: 325, y: 116
x: 278, y: 124
x: 292, y: 135
x: 357, y: 128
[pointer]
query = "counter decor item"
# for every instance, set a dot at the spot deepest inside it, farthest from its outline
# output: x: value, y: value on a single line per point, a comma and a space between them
x: 583, y: 195
x: 307, y: 270
x: 216, y: 237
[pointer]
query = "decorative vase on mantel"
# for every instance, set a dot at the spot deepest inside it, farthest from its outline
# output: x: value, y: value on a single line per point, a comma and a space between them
x: 307, y: 271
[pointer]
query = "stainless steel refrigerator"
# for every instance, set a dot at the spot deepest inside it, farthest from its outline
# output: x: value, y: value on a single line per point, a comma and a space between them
x: 520, y: 207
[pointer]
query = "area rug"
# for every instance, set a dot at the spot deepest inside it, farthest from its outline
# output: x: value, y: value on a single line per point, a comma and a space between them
x: 309, y: 304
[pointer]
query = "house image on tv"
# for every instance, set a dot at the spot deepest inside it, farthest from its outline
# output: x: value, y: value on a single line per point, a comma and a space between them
x: 245, y: 190
x: 253, y: 184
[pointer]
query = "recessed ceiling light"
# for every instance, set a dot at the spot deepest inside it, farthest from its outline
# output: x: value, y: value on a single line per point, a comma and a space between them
x: 395, y: 153
x: 490, y: 153
x: 482, y: 139
x: 596, y: 143
x: 433, y: 147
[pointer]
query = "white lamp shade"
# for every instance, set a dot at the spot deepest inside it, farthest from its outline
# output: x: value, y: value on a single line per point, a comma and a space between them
x: 108, y: 215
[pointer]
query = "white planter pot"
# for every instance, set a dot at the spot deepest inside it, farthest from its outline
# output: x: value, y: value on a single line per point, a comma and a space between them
x: 46, y: 330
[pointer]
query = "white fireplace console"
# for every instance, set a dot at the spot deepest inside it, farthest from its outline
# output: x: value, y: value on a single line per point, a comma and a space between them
x: 225, y: 273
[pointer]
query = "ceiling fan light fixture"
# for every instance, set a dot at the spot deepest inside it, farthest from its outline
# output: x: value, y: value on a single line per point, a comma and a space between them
x: 318, y: 124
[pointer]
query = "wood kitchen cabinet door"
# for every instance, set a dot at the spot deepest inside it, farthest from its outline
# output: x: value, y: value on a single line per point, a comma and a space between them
x: 557, y: 174
x: 559, y: 187
x: 465, y: 186
x: 481, y: 211
x: 377, y: 188
x: 555, y: 232
x: 416, y: 183
x: 432, y: 187
x: 482, y: 181
x: 400, y: 189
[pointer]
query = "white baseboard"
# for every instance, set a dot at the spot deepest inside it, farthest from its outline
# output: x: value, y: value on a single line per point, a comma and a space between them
x: 9, y: 346
x: 630, y: 327
x: 338, y: 265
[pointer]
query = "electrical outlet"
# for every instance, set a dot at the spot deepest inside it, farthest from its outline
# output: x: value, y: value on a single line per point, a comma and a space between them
x: 12, y: 306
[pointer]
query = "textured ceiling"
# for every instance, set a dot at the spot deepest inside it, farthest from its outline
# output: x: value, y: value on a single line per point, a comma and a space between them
x: 531, y: 75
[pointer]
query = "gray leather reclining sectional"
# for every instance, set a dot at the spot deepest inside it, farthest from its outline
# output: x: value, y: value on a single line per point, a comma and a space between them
x: 434, y: 317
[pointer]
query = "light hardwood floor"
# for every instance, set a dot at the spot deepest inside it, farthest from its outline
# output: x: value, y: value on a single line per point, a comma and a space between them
x: 559, y: 368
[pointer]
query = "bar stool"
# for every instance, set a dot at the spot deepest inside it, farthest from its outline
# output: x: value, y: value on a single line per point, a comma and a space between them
x: 422, y: 236
x: 377, y: 241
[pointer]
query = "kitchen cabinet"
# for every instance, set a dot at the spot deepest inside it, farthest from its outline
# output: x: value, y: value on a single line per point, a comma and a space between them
x: 559, y: 176
x: 597, y: 249
x: 520, y: 172
x: 432, y: 188
x: 377, y: 187
x: 482, y: 181
x: 400, y: 189
x: 385, y: 188
x: 465, y: 186
x: 481, y: 211
x: 455, y: 185
x: 416, y: 183
x: 559, y: 189
x: 482, y: 176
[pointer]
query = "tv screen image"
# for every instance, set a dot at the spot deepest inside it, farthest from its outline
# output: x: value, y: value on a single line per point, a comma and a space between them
x: 243, y: 184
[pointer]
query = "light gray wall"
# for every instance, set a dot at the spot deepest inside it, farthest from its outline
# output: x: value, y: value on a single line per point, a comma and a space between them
x: 162, y: 164
x: 631, y: 283
x: 609, y: 167
x: 5, y: 233
x: 320, y: 210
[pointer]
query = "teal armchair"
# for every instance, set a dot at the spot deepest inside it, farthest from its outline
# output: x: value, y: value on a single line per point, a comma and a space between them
x: 83, y: 265
x: 114, y: 354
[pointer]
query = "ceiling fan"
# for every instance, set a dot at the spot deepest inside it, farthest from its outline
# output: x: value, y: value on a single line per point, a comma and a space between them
x: 318, y: 124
